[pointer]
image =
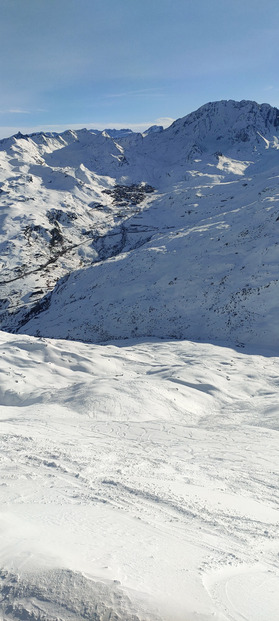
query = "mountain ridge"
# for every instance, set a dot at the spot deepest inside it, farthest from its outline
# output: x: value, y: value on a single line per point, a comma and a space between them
x: 196, y: 205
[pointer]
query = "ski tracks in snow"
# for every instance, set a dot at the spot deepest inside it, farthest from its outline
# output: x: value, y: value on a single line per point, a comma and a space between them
x: 153, y: 463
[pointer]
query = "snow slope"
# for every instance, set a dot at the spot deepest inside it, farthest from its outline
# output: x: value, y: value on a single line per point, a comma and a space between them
x: 54, y: 219
x: 138, y: 481
x: 214, y: 277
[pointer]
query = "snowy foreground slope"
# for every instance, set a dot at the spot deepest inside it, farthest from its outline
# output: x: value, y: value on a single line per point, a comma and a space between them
x: 169, y: 234
x: 138, y: 481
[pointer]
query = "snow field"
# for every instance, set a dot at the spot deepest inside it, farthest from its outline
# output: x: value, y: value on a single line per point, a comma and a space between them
x: 139, y: 479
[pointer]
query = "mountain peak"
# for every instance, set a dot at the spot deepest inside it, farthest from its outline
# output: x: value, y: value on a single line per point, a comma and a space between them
x: 228, y: 123
x: 231, y: 107
x: 154, y: 129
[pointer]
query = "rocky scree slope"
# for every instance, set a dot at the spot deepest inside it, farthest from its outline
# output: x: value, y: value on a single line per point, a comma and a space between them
x: 169, y: 234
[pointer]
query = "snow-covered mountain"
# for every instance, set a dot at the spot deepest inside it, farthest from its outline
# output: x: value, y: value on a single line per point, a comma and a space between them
x: 168, y: 234
x: 139, y: 478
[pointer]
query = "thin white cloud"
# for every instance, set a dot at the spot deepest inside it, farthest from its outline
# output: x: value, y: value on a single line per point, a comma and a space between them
x: 18, y: 111
x: 144, y: 92
x: 164, y: 120
x: 21, y: 110
x: 271, y: 88
x: 15, y: 111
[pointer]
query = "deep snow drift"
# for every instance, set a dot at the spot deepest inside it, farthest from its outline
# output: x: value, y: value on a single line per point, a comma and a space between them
x: 138, y: 481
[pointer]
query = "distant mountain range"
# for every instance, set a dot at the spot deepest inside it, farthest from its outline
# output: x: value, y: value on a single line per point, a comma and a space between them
x: 172, y: 233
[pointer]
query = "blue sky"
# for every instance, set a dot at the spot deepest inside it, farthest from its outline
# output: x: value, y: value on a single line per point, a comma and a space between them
x: 131, y: 63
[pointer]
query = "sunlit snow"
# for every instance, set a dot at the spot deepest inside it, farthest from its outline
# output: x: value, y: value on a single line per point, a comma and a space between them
x: 152, y: 464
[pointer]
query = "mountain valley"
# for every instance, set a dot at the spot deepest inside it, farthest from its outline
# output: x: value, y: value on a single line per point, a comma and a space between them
x: 191, y: 211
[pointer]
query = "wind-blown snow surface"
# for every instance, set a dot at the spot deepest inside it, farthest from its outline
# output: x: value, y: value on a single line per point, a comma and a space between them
x: 169, y: 234
x: 139, y: 481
